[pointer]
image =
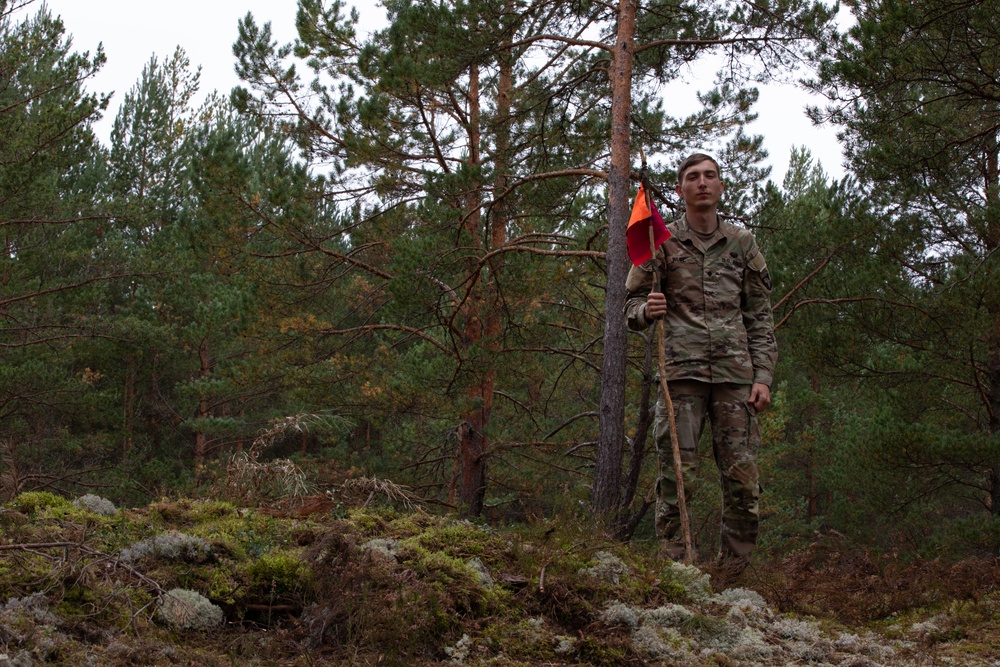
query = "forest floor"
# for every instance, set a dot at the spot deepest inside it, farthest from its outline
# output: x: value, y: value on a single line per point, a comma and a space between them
x: 205, y: 583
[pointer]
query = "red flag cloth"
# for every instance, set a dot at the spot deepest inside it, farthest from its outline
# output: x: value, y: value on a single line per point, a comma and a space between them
x: 644, y: 214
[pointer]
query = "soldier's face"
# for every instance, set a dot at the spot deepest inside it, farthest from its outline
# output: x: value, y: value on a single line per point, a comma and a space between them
x: 700, y: 186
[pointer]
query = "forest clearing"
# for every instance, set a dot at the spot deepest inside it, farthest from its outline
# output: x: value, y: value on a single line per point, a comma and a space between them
x: 350, y: 339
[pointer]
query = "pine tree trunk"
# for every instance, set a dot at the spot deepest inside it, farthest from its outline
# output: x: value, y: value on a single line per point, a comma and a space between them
x: 627, y: 523
x: 606, y: 497
x: 128, y: 407
x: 471, y: 432
x: 993, y: 305
x: 200, y: 440
x: 812, y: 500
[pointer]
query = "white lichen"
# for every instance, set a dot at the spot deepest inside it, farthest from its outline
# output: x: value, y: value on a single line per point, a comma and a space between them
x: 793, y: 628
x: 870, y: 645
x: 930, y: 627
x: 96, y: 504
x: 807, y: 651
x: 564, y: 645
x: 606, y: 567
x: 696, y: 584
x: 752, y: 646
x: 173, y: 545
x: 661, y: 644
x: 667, y: 616
x: 34, y: 607
x: 460, y: 651
x: 620, y: 614
x: 182, y: 609
x: 483, y: 574
x: 741, y: 597
x: 384, y: 546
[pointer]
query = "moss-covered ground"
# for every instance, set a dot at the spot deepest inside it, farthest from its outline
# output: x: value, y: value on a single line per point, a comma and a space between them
x: 387, y: 586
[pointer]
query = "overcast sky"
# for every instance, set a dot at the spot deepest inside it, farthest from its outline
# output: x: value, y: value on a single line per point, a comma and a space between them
x: 133, y: 30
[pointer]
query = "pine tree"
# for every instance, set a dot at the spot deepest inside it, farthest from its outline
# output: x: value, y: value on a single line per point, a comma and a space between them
x: 49, y: 271
x: 914, y: 87
x: 467, y: 145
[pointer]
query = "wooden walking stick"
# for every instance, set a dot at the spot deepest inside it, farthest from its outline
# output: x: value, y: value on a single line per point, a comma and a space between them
x: 665, y: 388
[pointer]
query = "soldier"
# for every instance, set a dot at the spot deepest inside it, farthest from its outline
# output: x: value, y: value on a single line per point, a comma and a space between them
x: 720, y: 353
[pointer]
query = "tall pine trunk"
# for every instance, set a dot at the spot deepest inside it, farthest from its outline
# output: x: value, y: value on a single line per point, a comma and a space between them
x: 627, y: 522
x: 606, y: 497
x: 472, y: 438
x: 993, y: 306
x: 200, y: 440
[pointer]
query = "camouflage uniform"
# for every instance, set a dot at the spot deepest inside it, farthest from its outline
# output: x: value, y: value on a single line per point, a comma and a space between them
x: 719, y: 340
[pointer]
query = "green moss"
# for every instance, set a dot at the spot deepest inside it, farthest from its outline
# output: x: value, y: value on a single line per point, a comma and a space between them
x: 674, y: 590
x: 185, y: 513
x: 408, y: 525
x: 79, y: 602
x: 223, y: 582
x: 365, y: 522
x: 235, y: 534
x: 602, y: 652
x: 20, y: 576
x: 460, y: 539
x: 521, y: 639
x: 278, y: 574
x: 124, y: 530
x: 33, y: 502
x: 372, y: 521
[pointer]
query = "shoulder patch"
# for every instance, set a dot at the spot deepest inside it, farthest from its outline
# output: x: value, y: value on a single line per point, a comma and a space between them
x: 639, y: 276
x: 757, y: 262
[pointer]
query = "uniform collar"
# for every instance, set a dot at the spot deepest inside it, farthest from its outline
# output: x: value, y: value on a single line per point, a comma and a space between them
x: 684, y: 232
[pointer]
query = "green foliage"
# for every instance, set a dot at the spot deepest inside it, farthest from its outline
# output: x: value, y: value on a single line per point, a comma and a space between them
x: 407, y: 229
x: 274, y: 576
x: 34, y: 502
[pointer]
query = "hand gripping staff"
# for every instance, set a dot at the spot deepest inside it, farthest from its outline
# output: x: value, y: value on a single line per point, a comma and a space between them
x: 645, y: 218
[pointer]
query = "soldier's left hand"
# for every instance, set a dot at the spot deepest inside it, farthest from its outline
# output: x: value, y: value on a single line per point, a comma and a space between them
x: 760, y: 396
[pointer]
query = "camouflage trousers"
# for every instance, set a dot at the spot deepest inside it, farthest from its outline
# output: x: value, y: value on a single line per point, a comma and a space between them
x: 735, y: 440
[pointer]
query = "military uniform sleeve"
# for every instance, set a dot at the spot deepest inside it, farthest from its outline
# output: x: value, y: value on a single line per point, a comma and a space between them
x: 638, y: 283
x: 757, y: 317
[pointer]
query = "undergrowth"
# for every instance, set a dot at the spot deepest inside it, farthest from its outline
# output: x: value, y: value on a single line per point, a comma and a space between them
x: 192, y: 581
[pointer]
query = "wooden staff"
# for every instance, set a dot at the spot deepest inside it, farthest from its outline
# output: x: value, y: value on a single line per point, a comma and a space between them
x: 665, y: 388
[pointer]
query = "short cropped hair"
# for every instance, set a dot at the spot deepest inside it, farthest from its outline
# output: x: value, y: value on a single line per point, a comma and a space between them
x: 692, y: 160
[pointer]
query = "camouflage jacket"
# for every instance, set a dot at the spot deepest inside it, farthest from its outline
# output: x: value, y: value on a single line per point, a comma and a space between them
x: 718, y: 324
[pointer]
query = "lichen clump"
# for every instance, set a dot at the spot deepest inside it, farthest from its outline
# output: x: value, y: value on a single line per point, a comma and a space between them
x: 96, y: 504
x: 182, y: 609
x: 606, y: 567
x: 173, y: 546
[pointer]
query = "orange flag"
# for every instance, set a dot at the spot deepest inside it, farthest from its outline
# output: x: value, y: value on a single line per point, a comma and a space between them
x: 644, y: 214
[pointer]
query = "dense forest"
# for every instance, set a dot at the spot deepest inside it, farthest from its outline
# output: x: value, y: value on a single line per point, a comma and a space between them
x: 403, y: 254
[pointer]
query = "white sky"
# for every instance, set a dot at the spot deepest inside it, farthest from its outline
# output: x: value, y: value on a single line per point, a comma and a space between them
x: 133, y: 30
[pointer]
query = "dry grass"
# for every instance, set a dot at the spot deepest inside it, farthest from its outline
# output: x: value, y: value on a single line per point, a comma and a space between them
x: 373, y: 488
x: 833, y: 580
x: 250, y: 481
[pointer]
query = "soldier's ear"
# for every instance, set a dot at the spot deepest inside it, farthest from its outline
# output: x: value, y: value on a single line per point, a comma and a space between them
x: 677, y: 189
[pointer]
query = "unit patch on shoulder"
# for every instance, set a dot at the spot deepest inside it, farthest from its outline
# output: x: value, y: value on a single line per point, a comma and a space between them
x: 757, y: 264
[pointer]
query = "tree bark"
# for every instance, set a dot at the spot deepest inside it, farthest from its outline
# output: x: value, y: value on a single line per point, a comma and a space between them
x: 471, y: 433
x: 627, y: 522
x: 200, y: 439
x: 993, y: 307
x: 606, y: 496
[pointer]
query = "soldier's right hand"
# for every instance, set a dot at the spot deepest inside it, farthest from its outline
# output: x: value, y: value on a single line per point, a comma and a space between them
x: 656, y: 306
